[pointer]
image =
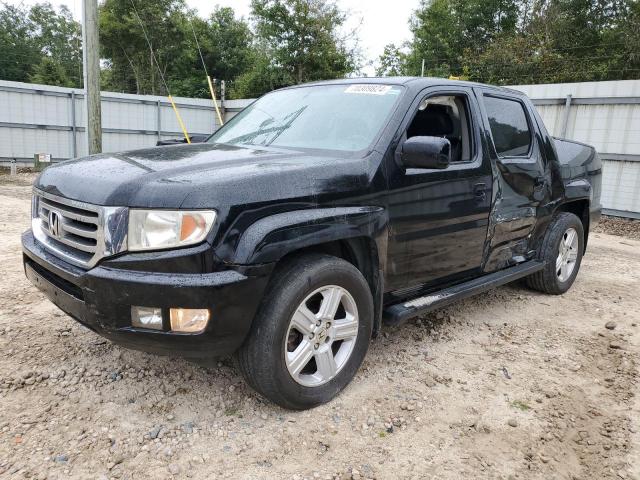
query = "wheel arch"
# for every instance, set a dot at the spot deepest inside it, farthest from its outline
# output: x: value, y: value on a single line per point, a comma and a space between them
x: 580, y: 208
x: 355, y: 234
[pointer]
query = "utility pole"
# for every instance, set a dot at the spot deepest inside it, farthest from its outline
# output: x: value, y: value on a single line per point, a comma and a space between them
x: 91, y: 66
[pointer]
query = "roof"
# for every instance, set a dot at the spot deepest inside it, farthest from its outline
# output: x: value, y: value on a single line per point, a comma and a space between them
x: 414, y: 82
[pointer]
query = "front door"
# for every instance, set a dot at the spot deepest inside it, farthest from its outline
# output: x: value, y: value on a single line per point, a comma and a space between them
x: 439, y: 218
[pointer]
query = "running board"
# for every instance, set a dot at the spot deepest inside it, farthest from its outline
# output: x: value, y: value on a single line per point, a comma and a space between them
x: 401, y: 312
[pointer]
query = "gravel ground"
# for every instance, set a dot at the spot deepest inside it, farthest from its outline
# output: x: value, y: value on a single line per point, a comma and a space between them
x: 508, y: 385
x: 623, y: 227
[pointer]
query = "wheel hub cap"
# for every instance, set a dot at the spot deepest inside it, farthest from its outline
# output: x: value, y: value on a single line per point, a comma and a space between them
x: 567, y: 255
x: 321, y: 337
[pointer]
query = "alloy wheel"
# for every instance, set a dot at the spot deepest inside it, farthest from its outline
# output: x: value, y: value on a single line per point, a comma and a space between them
x: 567, y: 255
x: 321, y: 336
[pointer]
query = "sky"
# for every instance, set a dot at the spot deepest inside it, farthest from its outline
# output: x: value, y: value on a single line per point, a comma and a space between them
x: 382, y: 22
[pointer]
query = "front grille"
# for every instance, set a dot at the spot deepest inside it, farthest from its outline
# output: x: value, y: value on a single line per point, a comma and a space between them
x: 71, y: 226
x: 78, y: 232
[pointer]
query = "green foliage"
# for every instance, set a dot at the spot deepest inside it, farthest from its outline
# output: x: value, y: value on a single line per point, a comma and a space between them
x: 40, y: 43
x: 59, y: 37
x: 294, y: 41
x: 50, y: 72
x: 124, y: 46
x: 172, y: 29
x: 520, y: 405
x: 263, y: 76
x: 525, y: 41
x: 18, y: 51
x: 302, y: 38
x: 391, y: 62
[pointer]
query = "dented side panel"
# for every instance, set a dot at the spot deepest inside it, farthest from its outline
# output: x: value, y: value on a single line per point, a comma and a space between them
x: 523, y: 189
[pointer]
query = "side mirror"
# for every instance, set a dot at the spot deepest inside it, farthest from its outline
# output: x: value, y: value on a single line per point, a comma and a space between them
x: 426, y: 152
x: 199, y: 138
x: 180, y: 141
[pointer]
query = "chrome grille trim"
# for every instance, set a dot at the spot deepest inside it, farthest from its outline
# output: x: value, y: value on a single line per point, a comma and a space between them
x: 83, y: 233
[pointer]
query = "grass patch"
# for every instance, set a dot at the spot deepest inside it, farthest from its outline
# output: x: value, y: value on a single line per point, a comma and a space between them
x: 520, y: 405
x: 231, y: 411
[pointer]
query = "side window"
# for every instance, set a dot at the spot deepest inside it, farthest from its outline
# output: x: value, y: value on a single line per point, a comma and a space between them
x: 509, y: 127
x: 445, y: 116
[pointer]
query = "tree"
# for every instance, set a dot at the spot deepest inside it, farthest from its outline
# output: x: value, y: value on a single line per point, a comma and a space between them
x: 50, y: 72
x: 172, y: 30
x: 392, y: 62
x: 526, y: 41
x: 302, y: 38
x: 263, y: 76
x: 125, y: 48
x: 18, y: 49
x: 445, y: 32
x: 40, y: 43
x: 59, y: 38
x: 226, y: 45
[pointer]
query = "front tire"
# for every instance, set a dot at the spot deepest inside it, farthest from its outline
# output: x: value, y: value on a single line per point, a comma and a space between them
x: 562, y: 250
x: 311, y: 334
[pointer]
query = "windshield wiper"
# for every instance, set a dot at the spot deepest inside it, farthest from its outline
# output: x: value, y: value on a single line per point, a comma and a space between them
x: 293, y: 117
x: 247, y: 138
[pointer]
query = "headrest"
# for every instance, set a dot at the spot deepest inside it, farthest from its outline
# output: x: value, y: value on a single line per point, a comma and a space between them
x: 435, y: 120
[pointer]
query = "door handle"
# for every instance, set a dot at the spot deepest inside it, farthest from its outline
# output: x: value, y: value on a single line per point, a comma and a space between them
x: 480, y: 192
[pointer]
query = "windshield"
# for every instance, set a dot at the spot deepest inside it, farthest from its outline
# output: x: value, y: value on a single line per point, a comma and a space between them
x: 331, y: 117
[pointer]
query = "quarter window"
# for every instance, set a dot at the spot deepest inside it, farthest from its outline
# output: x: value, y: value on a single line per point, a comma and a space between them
x: 509, y: 126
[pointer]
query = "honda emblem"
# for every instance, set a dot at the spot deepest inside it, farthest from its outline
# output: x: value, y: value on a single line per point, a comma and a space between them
x: 54, y: 223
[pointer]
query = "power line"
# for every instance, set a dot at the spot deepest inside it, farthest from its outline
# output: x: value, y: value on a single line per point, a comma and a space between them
x: 153, y: 55
x: 204, y: 65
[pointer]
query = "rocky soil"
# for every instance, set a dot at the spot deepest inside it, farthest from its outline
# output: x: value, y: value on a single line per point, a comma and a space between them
x: 623, y: 227
x: 508, y: 385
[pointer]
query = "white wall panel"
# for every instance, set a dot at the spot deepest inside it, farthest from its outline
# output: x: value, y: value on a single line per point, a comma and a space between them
x: 612, y: 126
x: 30, y: 113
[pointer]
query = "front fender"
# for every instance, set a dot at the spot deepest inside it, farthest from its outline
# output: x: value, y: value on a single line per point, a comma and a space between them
x: 271, y: 238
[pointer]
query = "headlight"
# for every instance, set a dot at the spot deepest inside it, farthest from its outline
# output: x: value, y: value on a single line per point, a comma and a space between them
x: 157, y: 229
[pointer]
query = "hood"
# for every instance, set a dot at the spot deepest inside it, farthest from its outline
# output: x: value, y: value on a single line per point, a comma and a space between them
x: 200, y: 176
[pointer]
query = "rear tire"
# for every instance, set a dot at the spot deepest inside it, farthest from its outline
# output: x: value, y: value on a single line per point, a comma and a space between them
x: 562, y: 250
x: 311, y: 333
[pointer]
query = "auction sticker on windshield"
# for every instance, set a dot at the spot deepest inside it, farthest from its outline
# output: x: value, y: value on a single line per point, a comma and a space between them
x: 369, y: 89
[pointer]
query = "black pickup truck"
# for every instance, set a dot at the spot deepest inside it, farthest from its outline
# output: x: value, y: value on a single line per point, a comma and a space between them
x: 312, y: 217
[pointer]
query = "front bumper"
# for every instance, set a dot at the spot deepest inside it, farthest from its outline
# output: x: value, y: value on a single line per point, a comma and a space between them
x: 101, y: 299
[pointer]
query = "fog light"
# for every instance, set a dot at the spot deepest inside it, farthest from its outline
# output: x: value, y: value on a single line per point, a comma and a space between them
x: 188, y: 320
x: 146, y: 317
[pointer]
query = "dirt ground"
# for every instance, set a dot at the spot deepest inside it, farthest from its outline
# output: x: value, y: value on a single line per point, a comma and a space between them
x: 508, y: 385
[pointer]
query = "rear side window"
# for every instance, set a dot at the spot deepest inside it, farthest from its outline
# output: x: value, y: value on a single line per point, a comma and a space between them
x: 509, y: 127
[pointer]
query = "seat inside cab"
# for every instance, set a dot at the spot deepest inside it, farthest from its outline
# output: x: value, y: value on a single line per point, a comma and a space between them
x: 445, y: 117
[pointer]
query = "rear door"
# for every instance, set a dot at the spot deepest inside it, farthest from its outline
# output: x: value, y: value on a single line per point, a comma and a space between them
x: 439, y: 218
x: 522, y: 176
